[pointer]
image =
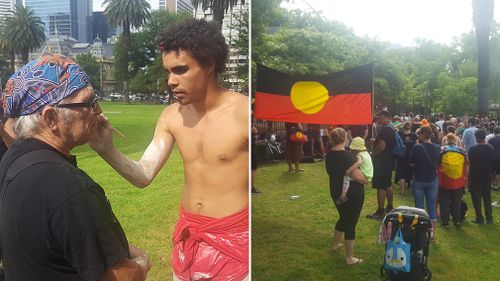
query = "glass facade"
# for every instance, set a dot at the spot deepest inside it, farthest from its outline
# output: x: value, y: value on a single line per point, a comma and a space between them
x: 69, y: 17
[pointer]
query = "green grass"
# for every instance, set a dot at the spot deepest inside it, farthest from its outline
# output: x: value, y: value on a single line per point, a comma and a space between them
x: 291, y: 239
x: 147, y: 215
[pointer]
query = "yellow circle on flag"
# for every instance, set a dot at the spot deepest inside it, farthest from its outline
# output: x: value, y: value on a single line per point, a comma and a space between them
x: 299, y: 135
x: 309, y: 96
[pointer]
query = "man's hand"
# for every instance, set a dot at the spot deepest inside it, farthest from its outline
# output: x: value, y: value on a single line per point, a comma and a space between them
x: 140, y: 257
x: 102, y: 141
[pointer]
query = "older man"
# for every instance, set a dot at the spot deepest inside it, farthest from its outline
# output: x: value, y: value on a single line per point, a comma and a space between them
x: 209, y: 124
x: 55, y: 221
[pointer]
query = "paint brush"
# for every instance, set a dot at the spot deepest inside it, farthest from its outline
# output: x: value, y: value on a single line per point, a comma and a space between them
x: 119, y: 133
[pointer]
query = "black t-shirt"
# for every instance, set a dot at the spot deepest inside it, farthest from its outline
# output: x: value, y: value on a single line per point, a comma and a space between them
x: 387, y: 134
x: 56, y: 223
x: 481, y: 163
x: 495, y: 142
x: 425, y: 164
x: 337, y: 163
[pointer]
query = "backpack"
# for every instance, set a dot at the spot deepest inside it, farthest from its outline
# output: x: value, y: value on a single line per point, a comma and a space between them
x: 399, y: 148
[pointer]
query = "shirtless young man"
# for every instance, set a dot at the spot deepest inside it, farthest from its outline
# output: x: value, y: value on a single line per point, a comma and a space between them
x: 210, y: 126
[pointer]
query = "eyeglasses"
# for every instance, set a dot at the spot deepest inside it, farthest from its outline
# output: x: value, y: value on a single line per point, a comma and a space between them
x: 93, y: 104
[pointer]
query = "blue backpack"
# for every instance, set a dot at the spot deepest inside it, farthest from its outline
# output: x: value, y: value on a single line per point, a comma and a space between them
x: 399, y: 148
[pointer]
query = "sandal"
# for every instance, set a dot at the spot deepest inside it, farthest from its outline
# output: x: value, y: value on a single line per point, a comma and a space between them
x: 336, y: 247
x: 358, y: 261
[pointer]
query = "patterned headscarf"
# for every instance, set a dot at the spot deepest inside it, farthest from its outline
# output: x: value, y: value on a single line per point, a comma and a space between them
x: 42, y: 82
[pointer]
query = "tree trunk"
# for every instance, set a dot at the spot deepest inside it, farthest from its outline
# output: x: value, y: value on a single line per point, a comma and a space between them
x: 218, y: 11
x: 126, y: 47
x: 25, y: 56
x: 483, y: 17
x: 12, y: 56
x: 483, y: 73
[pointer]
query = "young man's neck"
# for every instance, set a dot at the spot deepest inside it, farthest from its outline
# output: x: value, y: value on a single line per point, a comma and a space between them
x: 212, y: 100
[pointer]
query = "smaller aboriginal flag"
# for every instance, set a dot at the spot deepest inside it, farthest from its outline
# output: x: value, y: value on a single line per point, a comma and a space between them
x: 339, y: 98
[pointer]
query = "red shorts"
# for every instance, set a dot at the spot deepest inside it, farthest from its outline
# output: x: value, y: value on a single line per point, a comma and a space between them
x: 206, y: 248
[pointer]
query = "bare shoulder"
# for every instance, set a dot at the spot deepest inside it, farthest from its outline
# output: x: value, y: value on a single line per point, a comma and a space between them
x: 168, y: 115
x: 240, y: 104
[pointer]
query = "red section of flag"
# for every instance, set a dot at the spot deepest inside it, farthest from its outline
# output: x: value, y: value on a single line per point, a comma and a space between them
x: 342, y: 109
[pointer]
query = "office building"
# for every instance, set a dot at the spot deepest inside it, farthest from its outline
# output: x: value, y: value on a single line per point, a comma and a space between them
x: 177, y: 6
x: 71, y: 18
x: 6, y: 6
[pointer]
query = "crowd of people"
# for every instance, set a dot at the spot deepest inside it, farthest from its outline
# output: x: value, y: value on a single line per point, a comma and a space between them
x: 444, y: 158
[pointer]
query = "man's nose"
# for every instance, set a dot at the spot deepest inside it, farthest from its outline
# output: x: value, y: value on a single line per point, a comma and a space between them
x: 172, y: 81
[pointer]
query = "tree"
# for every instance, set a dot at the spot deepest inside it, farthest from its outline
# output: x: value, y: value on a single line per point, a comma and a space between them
x: 127, y: 14
x: 23, y: 31
x: 482, y: 17
x: 92, y: 68
x: 218, y: 7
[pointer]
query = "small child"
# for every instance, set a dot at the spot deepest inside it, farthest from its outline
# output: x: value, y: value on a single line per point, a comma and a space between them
x: 364, y: 163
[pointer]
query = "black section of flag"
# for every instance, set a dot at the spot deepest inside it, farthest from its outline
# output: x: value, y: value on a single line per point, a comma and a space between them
x: 351, y: 81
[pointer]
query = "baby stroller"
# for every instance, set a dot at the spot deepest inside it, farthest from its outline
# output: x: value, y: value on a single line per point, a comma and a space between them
x: 408, y: 235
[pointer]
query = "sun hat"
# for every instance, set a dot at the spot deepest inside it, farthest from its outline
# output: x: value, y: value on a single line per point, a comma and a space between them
x: 357, y: 143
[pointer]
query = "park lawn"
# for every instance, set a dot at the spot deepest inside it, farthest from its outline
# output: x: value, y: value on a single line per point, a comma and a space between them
x: 291, y: 239
x: 147, y: 215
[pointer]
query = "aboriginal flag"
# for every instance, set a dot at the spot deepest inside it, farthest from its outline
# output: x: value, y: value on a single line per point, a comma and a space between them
x: 339, y: 98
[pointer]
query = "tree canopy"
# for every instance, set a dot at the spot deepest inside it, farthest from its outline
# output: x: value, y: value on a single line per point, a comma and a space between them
x: 427, y: 77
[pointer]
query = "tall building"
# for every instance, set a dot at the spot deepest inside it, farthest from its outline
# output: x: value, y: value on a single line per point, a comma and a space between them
x: 177, y: 6
x: 230, y: 33
x: 8, y: 5
x: 69, y: 17
x: 100, y: 26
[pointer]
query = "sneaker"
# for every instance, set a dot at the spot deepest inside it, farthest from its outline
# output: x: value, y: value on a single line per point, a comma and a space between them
x: 457, y: 224
x: 445, y: 225
x: 495, y: 204
x: 494, y: 188
x: 378, y: 215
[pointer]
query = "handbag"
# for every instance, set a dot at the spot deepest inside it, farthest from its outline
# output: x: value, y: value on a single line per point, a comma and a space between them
x: 397, y: 253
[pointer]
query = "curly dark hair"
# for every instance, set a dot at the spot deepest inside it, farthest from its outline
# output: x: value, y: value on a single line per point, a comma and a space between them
x: 202, y: 39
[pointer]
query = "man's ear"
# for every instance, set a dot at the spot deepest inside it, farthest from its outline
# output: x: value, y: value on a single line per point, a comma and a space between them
x: 211, y: 66
x: 50, y: 116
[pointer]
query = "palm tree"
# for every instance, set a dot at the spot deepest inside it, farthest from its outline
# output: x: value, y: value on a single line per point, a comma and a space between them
x: 23, y: 31
x: 127, y: 14
x: 218, y: 7
x: 483, y: 16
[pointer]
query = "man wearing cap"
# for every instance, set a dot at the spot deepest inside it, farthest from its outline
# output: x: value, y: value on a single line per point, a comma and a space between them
x: 383, y: 164
x: 55, y: 221
x: 209, y: 124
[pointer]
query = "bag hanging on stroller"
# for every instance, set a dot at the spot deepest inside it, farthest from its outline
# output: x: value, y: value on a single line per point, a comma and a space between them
x: 407, y: 251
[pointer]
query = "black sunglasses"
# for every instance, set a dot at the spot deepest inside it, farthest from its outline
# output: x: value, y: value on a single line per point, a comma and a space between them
x: 93, y: 104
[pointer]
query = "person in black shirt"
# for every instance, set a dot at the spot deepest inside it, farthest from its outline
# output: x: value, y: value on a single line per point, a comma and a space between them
x: 481, y: 159
x: 383, y: 165
x: 338, y: 161
x: 55, y: 221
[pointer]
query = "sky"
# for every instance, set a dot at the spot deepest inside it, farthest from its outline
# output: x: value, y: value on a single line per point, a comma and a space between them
x: 97, y: 4
x: 398, y: 21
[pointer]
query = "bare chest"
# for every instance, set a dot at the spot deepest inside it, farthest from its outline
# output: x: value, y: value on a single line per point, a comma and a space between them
x: 211, y: 141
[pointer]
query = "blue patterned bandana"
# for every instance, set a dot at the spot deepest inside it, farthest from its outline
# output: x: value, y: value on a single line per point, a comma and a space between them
x: 42, y: 82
